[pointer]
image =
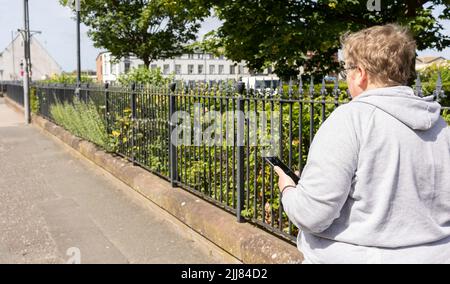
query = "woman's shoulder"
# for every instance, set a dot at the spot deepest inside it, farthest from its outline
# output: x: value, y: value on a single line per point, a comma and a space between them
x: 353, y: 111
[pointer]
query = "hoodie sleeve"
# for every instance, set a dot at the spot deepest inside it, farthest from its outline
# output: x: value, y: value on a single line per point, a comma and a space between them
x: 326, y: 179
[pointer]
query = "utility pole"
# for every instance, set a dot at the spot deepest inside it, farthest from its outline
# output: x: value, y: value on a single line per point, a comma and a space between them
x: 26, y: 79
x: 77, y: 9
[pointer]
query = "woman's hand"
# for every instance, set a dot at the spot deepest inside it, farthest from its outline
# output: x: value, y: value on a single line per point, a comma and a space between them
x: 284, y: 180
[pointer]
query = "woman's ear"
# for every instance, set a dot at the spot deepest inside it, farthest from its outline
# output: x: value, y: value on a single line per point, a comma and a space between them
x: 362, y: 78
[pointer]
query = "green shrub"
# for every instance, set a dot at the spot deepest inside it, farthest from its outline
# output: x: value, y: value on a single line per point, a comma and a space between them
x: 81, y: 119
x: 65, y: 78
x: 143, y: 75
x: 34, y: 101
x: 429, y: 78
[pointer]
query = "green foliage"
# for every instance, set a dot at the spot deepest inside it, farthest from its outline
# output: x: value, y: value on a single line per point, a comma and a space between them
x: 446, y: 115
x: 143, y: 75
x: 81, y: 119
x: 211, y: 43
x: 148, y: 29
x: 429, y: 79
x: 34, y: 101
x: 66, y: 78
x: 290, y: 34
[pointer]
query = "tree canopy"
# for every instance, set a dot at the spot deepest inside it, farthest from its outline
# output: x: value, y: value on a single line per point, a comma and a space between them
x: 286, y: 34
x: 148, y: 29
x: 294, y: 33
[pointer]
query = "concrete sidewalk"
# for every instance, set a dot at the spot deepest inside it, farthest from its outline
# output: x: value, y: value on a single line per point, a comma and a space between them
x: 54, y: 204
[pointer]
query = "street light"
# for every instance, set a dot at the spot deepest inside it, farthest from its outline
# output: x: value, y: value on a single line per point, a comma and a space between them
x: 28, y: 55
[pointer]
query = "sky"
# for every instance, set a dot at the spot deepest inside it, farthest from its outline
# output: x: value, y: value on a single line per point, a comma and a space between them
x: 58, y: 29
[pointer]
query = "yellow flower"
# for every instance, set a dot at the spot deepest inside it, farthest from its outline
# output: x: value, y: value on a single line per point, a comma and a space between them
x: 116, y: 133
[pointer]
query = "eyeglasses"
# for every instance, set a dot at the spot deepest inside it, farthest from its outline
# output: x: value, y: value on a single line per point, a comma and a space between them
x: 344, y: 71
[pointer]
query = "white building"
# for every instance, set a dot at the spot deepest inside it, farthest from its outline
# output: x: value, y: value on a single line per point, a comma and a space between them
x: 12, y: 58
x: 187, y: 67
x: 423, y: 62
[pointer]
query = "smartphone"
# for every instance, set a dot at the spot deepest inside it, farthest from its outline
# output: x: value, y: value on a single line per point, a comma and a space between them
x: 275, y: 161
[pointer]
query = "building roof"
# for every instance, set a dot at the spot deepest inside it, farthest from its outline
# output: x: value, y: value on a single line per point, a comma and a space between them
x: 429, y: 59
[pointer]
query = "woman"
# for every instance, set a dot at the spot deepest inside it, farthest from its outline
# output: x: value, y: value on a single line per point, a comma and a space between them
x: 376, y: 186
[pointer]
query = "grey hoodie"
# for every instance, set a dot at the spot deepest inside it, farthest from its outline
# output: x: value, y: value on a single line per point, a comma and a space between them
x: 376, y: 186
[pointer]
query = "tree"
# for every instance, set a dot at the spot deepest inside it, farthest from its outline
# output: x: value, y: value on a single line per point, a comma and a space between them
x: 294, y: 33
x: 148, y: 29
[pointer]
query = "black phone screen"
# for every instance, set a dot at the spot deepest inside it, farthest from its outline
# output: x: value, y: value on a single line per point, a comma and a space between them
x: 275, y: 161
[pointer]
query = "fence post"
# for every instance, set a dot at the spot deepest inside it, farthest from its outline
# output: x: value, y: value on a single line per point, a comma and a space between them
x: 133, y: 121
x: 87, y: 94
x: 240, y: 151
x: 107, y: 108
x: 172, y: 143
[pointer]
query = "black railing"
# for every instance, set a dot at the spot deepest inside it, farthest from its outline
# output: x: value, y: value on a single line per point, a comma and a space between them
x: 216, y: 152
x: 14, y: 90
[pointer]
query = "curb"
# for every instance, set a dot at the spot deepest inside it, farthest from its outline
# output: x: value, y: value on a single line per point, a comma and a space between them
x: 244, y: 241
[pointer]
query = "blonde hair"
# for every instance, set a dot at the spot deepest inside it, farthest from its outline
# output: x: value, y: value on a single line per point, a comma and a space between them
x: 387, y: 53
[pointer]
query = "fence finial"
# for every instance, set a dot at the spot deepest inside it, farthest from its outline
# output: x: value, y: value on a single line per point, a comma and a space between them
x: 418, y: 86
x: 311, y: 87
x: 280, y: 87
x: 336, y: 88
x: 323, y: 89
x: 240, y: 86
x: 439, y: 92
x: 300, y: 86
x: 173, y: 85
x: 290, y: 87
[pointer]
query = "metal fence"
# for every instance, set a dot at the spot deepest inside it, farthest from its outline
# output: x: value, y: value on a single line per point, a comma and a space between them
x: 13, y: 89
x: 220, y: 160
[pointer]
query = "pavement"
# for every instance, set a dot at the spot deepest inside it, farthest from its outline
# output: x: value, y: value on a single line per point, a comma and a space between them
x: 57, y: 207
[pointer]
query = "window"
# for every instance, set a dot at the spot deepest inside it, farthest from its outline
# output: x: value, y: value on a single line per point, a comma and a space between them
x: 190, y: 56
x: 200, y: 56
x: 222, y: 57
x: 166, y: 69
x: 239, y: 68
x: 105, y: 68
x: 212, y: 69
x: 200, y: 69
x: 211, y: 56
x: 153, y: 66
x: 178, y: 69
x: 232, y: 69
x: 190, y: 69
x: 220, y: 69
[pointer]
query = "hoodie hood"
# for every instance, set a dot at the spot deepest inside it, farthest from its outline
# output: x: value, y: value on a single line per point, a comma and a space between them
x: 401, y: 102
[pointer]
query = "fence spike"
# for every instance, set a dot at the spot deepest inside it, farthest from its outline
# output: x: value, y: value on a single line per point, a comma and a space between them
x: 311, y: 87
x: 438, y: 92
x: 290, y: 87
x: 418, y: 86
x: 323, y: 90
x: 336, y: 88
x: 300, y: 86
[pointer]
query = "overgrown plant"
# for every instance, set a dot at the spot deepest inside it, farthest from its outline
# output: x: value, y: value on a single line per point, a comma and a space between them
x: 81, y: 119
